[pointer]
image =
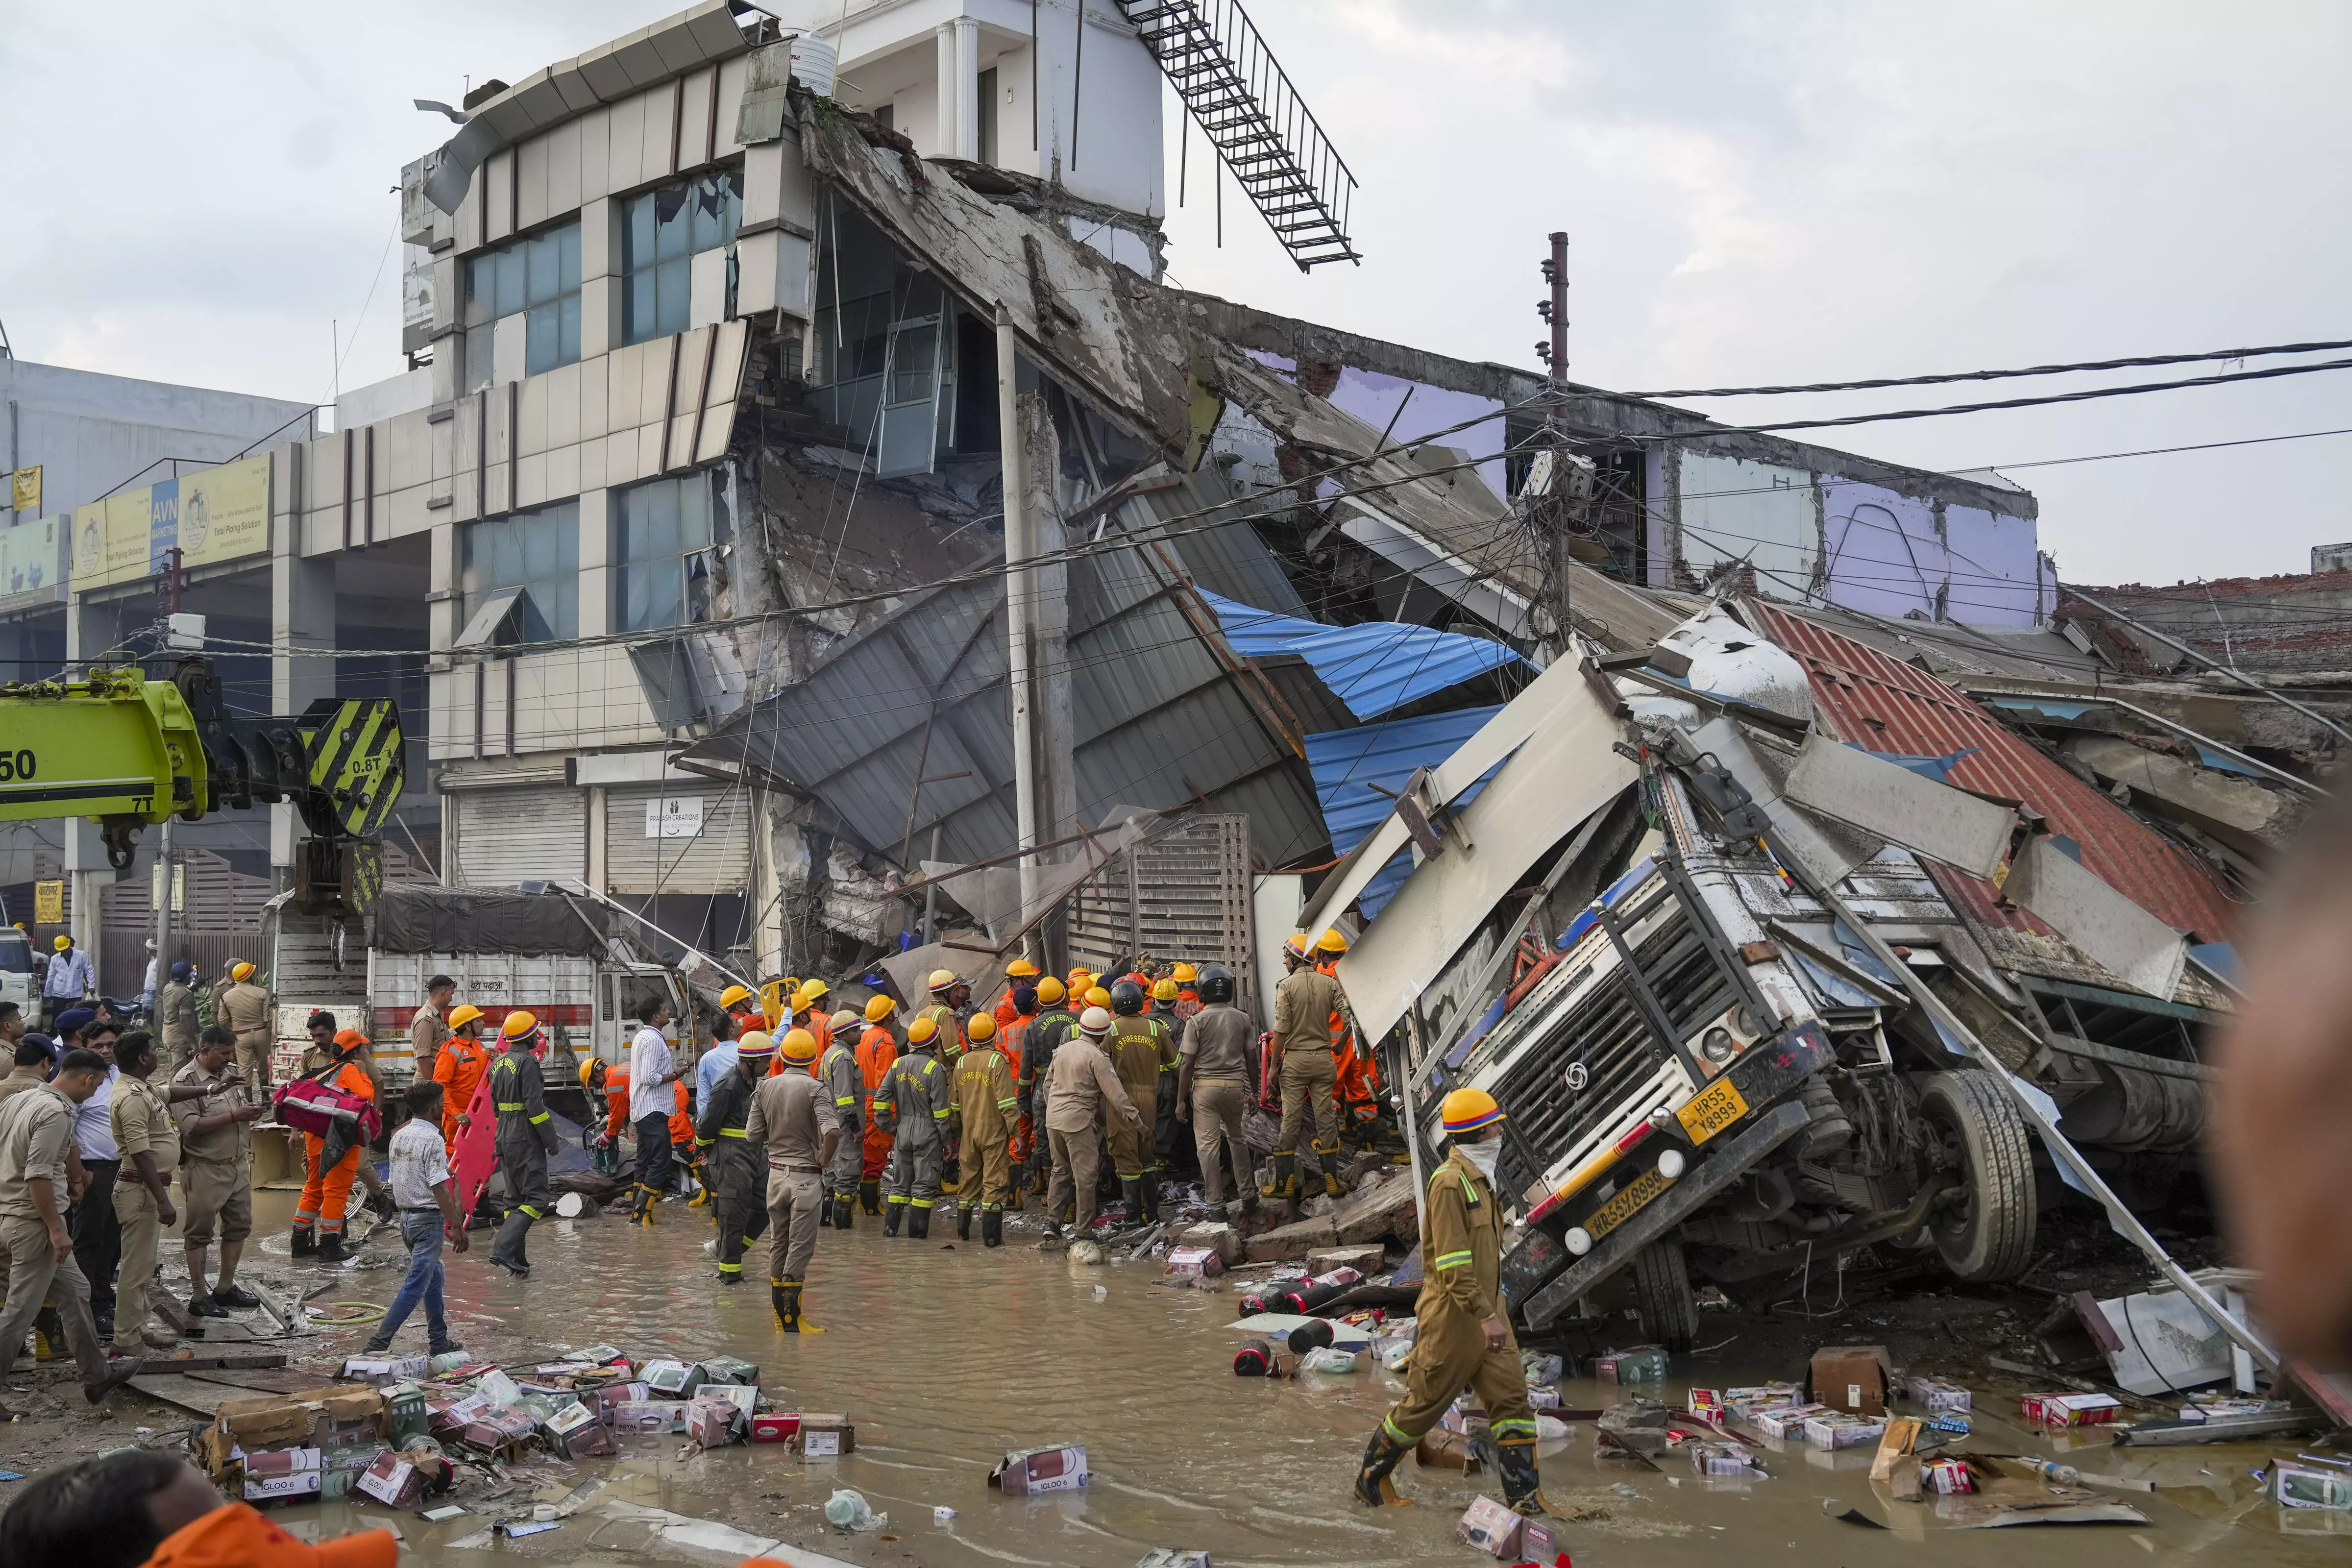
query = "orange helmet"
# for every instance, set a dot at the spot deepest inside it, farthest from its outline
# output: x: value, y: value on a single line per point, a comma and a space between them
x: 878, y: 1007
x: 349, y: 1039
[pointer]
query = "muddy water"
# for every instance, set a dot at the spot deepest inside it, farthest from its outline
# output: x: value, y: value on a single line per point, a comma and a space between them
x: 945, y: 1357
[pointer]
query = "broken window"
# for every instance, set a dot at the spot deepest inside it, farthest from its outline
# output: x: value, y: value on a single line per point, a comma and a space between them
x: 537, y: 553
x: 990, y: 100
x: 661, y: 232
x: 536, y: 279
x: 666, y: 536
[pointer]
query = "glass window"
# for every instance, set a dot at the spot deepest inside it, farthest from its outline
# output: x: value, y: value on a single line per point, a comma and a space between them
x: 539, y: 277
x: 660, y: 232
x: 667, y: 535
x: 536, y: 552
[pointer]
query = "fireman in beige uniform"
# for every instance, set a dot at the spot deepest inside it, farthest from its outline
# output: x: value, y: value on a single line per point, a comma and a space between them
x: 1142, y: 1048
x: 1082, y: 1093
x: 987, y: 1110
x: 794, y: 1118
x: 245, y: 1007
x: 1465, y: 1338
x: 1304, y: 1005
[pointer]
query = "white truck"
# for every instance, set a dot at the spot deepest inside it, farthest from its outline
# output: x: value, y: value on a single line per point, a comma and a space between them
x: 18, y: 972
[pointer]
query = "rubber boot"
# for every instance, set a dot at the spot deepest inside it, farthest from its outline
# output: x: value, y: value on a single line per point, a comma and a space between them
x: 306, y: 1241
x: 1516, y: 1462
x: 1380, y: 1456
x: 1130, y: 1192
x: 786, y: 1299
x: 891, y: 1215
x: 506, y: 1251
x: 918, y: 1224
x: 991, y: 1228
x: 1151, y: 1195
x: 844, y: 1212
x: 331, y: 1247
x: 1014, y: 1201
x: 869, y: 1195
x: 963, y: 1224
x: 643, y: 1212
x: 1328, y: 1159
x: 1285, y: 1185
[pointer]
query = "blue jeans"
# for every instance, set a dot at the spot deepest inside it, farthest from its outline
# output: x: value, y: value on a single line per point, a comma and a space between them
x: 422, y: 1234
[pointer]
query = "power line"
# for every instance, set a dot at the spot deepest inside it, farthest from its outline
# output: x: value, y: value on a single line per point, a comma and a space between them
x: 1991, y: 375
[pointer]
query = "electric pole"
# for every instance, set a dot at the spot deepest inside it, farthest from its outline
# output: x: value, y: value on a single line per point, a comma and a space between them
x: 1550, y: 484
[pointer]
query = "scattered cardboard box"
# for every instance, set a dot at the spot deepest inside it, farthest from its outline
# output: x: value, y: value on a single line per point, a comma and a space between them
x: 1937, y: 1394
x: 1032, y: 1471
x: 822, y: 1436
x: 277, y: 1475
x: 775, y: 1426
x: 393, y: 1480
x: 1492, y: 1528
x: 1852, y: 1378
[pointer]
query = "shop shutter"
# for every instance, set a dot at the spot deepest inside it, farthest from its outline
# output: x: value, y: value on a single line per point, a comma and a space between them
x: 510, y: 836
x: 716, y: 859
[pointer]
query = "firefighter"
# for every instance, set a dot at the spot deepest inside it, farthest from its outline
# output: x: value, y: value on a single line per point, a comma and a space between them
x: 1212, y: 1085
x: 1358, y: 1075
x: 1054, y: 1024
x: 1189, y: 999
x: 1013, y: 1040
x: 327, y: 1191
x: 1163, y: 1109
x: 950, y: 996
x: 681, y: 1142
x: 525, y: 1136
x: 1465, y: 1337
x: 1019, y: 975
x: 743, y: 1008
x: 1082, y: 1093
x: 878, y: 1048
x: 1143, y: 1052
x: 458, y: 1067
x: 793, y: 1118
x: 913, y: 1103
x: 987, y: 1110
x: 1304, y: 1005
x: 738, y: 1167
x: 837, y: 1070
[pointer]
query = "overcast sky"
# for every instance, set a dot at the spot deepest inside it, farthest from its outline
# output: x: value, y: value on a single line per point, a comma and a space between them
x: 1756, y: 194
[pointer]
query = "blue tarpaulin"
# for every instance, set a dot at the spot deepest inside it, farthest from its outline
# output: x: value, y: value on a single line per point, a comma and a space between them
x: 1375, y: 667
x: 1348, y: 763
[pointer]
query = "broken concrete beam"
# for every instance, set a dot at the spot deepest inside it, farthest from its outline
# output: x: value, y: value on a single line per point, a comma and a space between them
x: 1377, y: 1209
x: 1292, y: 1243
x: 1367, y: 1259
x: 1222, y: 1239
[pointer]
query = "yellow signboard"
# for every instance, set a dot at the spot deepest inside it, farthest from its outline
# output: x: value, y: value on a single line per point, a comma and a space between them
x: 220, y: 514
x: 90, y: 545
x: 225, y: 512
x: 25, y: 489
x: 50, y: 903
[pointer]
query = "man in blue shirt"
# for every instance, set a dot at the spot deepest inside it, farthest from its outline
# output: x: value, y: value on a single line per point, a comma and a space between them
x: 69, y: 979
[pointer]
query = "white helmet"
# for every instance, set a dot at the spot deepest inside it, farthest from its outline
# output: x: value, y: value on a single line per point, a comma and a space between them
x: 1095, y: 1021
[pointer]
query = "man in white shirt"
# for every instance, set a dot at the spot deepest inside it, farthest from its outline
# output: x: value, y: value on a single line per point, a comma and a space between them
x: 97, y: 1234
x: 652, y: 1070
x: 427, y: 1199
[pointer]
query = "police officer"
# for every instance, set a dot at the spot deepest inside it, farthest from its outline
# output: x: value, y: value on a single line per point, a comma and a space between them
x: 1304, y: 1004
x: 837, y: 1070
x: 986, y: 1112
x: 793, y: 1118
x: 1465, y: 1338
x: 525, y: 1136
x: 738, y: 1167
x: 1213, y: 1084
x: 913, y: 1104
x: 1142, y: 1051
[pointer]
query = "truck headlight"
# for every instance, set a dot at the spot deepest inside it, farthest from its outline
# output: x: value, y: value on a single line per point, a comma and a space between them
x: 1717, y: 1045
x: 1579, y: 1240
x: 1671, y: 1163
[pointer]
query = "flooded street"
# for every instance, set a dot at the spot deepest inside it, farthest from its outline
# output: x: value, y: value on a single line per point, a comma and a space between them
x: 946, y: 1356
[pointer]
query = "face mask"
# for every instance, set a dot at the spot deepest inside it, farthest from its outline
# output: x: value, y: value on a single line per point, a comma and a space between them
x: 1483, y: 1156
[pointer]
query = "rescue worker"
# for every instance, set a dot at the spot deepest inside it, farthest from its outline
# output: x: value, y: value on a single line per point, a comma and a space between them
x: 1357, y: 1073
x: 1011, y: 1039
x: 459, y: 1067
x: 1081, y: 1093
x: 741, y: 1006
x: 245, y: 1007
x: 1465, y: 1338
x: 1164, y: 1111
x: 913, y: 1103
x: 327, y: 1192
x: 1163, y: 997
x: 738, y: 1167
x: 987, y: 1110
x: 836, y: 1068
x: 1304, y: 1005
x: 1189, y: 999
x: 429, y: 1028
x: 949, y: 997
x: 176, y: 1014
x: 806, y: 1005
x: 1212, y: 1085
x: 792, y: 1117
x: 1142, y: 1052
x: 878, y: 1048
x: 525, y: 1136
x: 681, y: 1139
x: 1055, y: 1023
x: 1019, y: 975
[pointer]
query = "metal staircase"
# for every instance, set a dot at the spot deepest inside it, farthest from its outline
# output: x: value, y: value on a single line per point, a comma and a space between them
x: 1245, y: 104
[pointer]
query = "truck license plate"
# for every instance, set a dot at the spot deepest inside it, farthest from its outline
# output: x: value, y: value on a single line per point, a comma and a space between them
x: 1711, y: 1112
x: 1622, y: 1207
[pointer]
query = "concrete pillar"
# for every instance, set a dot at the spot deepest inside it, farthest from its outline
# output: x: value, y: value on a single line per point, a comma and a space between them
x: 967, y: 120
x: 302, y: 615
x: 1053, y: 721
x: 86, y: 867
x: 599, y: 868
x: 943, y: 142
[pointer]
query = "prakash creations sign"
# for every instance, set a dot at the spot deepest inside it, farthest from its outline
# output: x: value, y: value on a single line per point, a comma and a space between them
x: 32, y: 555
x: 220, y: 514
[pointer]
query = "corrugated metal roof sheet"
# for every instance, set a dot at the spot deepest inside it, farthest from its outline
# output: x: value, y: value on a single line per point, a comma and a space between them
x: 1375, y: 667
x: 1348, y: 764
x: 1886, y: 705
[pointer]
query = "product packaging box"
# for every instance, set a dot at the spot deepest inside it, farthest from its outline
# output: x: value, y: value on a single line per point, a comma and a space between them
x: 1937, y: 1394
x: 1195, y: 1263
x: 1719, y: 1459
x: 776, y: 1426
x: 643, y: 1417
x: 1032, y: 1471
x: 1492, y: 1528
x: 614, y: 1395
x: 743, y: 1396
x: 405, y: 1418
x: 599, y: 1355
x: 1852, y: 1378
x: 711, y: 1423
x: 1835, y: 1429
x: 393, y: 1481
x: 1948, y: 1477
x: 2070, y: 1409
x: 825, y: 1437
x: 1785, y: 1420
x: 2308, y: 1485
x: 1641, y: 1364
x: 277, y: 1475
x: 673, y: 1379
x: 386, y: 1369
x: 729, y: 1369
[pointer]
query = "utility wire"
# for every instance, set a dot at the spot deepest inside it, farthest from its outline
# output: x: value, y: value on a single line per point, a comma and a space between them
x: 1991, y: 375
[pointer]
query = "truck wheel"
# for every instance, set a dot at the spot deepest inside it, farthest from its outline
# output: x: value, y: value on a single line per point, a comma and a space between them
x: 1662, y: 1292
x: 1979, y: 1139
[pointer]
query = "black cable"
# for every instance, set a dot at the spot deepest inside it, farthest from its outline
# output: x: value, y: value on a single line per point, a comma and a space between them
x: 1989, y: 375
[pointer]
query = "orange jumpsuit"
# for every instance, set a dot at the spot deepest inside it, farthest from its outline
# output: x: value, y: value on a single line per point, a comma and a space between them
x: 878, y: 1048
x: 822, y: 1028
x: 1006, y: 1013
x: 458, y: 1069
x: 616, y: 1099
x: 1188, y: 1002
x: 1358, y: 1082
x: 1009, y: 1039
x: 326, y: 1193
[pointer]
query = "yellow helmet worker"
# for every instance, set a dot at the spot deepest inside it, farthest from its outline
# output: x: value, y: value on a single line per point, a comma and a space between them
x: 878, y: 1007
x: 1332, y: 942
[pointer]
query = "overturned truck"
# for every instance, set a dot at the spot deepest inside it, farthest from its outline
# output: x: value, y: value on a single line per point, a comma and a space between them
x: 1811, y: 998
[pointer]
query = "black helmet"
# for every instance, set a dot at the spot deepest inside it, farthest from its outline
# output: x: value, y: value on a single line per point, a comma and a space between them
x: 1216, y: 984
x: 1127, y: 998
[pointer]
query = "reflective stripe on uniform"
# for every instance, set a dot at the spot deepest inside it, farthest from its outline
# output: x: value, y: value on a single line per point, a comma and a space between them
x: 1514, y: 1431
x: 731, y: 1268
x: 540, y: 1118
x: 509, y: 1105
x: 1453, y: 1260
x: 734, y: 1132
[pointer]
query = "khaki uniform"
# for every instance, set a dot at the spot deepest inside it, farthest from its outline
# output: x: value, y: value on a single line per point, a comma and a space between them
x: 1304, y: 1004
x: 18, y: 1080
x: 1141, y: 1050
x: 1461, y: 1246
x: 426, y: 1032
x: 987, y: 1110
x: 1081, y: 1093
x: 790, y: 1114
x: 175, y: 1020
x: 35, y: 1132
x: 217, y: 1174
x: 143, y: 1125
x: 246, y: 1008
x: 1216, y: 1042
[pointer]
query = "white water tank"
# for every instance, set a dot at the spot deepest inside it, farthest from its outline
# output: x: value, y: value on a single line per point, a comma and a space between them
x: 812, y: 58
